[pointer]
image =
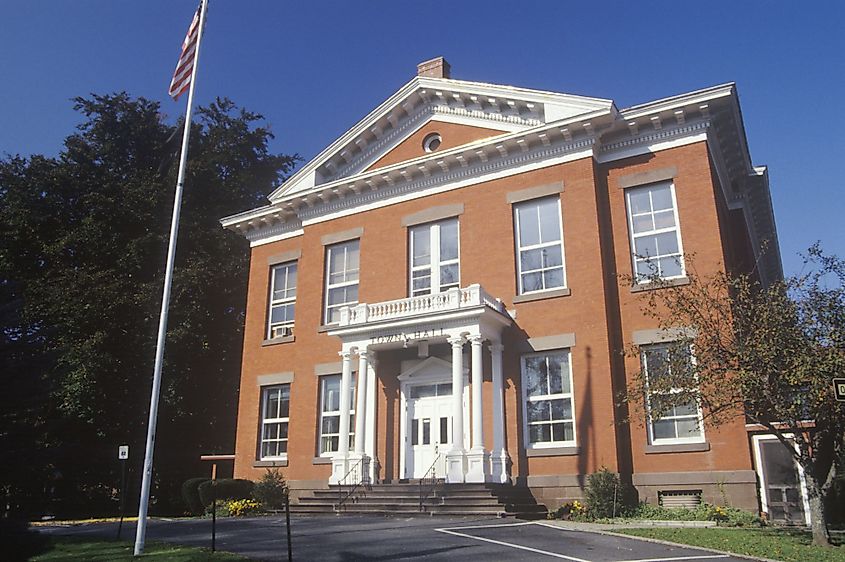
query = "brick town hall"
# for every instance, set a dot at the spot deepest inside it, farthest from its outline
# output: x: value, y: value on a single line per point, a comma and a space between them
x: 439, y: 294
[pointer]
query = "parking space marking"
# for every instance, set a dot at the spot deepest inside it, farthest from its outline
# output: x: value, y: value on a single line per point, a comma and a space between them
x: 450, y: 531
x: 676, y: 558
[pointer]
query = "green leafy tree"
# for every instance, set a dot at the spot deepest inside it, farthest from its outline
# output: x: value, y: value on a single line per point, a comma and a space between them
x: 769, y: 353
x: 83, y: 239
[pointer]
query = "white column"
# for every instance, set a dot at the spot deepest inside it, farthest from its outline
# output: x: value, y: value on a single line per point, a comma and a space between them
x: 477, y: 384
x: 499, y: 457
x: 361, y: 402
x: 372, y: 415
x: 456, y: 458
x: 359, y: 458
x: 478, y: 460
x: 340, y: 460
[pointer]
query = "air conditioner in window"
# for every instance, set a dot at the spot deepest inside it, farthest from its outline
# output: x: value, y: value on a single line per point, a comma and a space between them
x: 281, y: 331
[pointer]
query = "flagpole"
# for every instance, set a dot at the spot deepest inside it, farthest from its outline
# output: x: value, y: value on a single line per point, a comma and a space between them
x: 141, y: 532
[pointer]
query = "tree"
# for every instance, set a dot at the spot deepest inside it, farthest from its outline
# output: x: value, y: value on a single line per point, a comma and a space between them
x: 83, y: 238
x: 768, y: 353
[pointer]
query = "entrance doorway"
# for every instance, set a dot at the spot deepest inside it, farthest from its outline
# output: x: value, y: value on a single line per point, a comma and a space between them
x: 429, y: 429
x: 783, y: 493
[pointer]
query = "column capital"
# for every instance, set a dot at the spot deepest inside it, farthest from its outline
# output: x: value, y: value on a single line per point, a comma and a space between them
x: 457, y: 341
x: 345, y: 354
x: 496, y: 346
x: 363, y: 353
x: 475, y: 339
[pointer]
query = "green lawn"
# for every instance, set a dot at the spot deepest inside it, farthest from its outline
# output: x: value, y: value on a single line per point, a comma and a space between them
x: 779, y: 544
x: 78, y: 548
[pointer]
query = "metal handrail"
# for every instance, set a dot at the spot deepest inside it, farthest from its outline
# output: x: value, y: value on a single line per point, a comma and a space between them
x: 341, y: 499
x: 430, y: 480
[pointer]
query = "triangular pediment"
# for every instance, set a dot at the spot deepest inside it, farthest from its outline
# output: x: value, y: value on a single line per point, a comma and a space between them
x: 429, y: 368
x: 462, y: 112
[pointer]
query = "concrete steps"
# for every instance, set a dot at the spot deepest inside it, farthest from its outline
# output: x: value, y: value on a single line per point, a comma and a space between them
x: 442, y: 499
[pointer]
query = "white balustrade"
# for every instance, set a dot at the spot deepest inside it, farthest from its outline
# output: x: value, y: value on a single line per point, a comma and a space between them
x: 453, y: 299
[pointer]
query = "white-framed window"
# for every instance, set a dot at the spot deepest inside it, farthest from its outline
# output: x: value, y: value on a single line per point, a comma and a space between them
x: 330, y: 415
x: 549, y: 412
x: 282, y: 300
x: 539, y: 245
x: 681, y: 423
x: 435, y: 259
x: 656, y: 247
x: 342, y: 263
x: 275, y: 412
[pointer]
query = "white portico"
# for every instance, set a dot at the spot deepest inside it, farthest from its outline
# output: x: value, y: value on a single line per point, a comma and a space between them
x: 440, y: 436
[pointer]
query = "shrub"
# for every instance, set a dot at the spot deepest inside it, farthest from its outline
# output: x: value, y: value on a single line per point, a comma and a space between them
x: 570, y: 511
x: 605, y: 494
x: 191, y: 496
x: 271, y: 490
x: 722, y: 515
x: 225, y: 489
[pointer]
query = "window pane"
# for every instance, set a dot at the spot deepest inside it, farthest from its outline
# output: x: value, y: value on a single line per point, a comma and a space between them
x: 444, y: 389
x: 553, y: 278
x: 535, y: 376
x: 532, y: 282
x: 670, y: 267
x: 331, y: 424
x: 688, y: 409
x: 688, y: 427
x: 421, y: 283
x: 667, y: 243
x: 426, y: 431
x: 664, y: 219
x: 639, y: 201
x: 331, y: 394
x: 531, y: 259
x: 664, y: 429
x: 549, y: 221
x: 449, y: 275
x: 415, y: 432
x: 537, y: 411
x: 552, y: 256
x: 444, y: 430
x: 540, y: 433
x: 642, y: 223
x: 558, y: 409
x: 352, y: 260
x: 421, y: 241
x: 645, y: 246
x: 449, y: 240
x: 529, y: 228
x: 555, y: 382
x: 661, y: 197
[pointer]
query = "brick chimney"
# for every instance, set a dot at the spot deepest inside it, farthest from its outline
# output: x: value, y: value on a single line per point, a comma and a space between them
x: 434, y: 68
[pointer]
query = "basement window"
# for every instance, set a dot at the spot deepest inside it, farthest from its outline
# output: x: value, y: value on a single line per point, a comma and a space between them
x: 689, y: 499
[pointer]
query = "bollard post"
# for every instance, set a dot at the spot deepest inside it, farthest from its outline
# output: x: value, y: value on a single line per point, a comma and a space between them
x: 122, y: 495
x: 213, y: 506
x: 287, y: 524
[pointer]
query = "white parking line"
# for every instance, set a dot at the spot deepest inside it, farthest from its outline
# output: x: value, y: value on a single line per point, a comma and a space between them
x: 703, y: 557
x: 502, y: 543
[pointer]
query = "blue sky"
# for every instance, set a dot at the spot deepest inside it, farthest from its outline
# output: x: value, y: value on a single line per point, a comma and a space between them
x: 314, y: 68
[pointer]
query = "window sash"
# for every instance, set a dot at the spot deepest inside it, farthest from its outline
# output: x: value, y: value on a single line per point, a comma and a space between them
x: 342, y: 274
x: 544, y: 276
x: 275, y: 417
x: 427, y: 277
x: 645, y: 266
x: 673, y: 420
x: 282, y: 304
x: 329, y: 440
x: 553, y: 429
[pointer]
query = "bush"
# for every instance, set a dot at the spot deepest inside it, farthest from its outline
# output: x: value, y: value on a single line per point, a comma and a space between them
x: 225, y: 489
x: 722, y: 515
x: 605, y: 494
x: 241, y: 508
x: 271, y: 490
x: 191, y: 496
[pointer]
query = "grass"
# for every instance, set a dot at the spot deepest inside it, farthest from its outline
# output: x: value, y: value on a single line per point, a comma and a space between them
x: 98, y: 550
x: 779, y: 544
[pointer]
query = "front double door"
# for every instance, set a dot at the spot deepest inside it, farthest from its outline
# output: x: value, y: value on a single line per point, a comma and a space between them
x: 428, y: 430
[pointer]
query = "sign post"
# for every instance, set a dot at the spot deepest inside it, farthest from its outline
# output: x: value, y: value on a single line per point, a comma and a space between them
x: 214, y: 460
x: 839, y: 389
x: 123, y: 456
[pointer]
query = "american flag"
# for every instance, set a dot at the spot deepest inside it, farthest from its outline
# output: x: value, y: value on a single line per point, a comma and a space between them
x: 184, y: 68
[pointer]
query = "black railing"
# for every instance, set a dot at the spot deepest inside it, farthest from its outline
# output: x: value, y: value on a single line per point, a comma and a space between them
x: 429, y: 481
x: 353, y: 484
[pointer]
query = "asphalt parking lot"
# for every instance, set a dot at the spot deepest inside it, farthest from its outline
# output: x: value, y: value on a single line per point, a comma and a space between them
x: 347, y: 538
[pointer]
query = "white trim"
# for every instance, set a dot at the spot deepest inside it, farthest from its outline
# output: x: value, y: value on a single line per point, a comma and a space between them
x: 526, y: 430
x: 632, y: 236
x: 758, y: 468
x: 282, y: 302
x: 347, y: 247
x: 264, y: 396
x: 555, y: 199
x: 321, y: 413
x: 435, y: 263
